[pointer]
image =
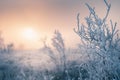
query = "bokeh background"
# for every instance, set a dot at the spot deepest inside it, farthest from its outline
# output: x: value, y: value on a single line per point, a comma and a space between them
x: 45, y: 16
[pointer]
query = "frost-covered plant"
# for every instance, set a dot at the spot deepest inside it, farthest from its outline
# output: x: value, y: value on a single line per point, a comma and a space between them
x: 10, y: 47
x: 97, y: 31
x: 2, y: 45
x: 102, y: 42
x: 58, y: 43
x: 47, y: 49
x: 5, y: 48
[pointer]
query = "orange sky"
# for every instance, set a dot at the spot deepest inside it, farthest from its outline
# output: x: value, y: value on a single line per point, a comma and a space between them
x: 45, y: 16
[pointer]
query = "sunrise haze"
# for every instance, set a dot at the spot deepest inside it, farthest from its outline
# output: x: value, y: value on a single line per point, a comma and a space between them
x: 40, y: 18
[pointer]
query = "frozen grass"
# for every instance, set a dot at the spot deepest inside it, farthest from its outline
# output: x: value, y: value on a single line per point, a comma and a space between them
x: 34, y: 65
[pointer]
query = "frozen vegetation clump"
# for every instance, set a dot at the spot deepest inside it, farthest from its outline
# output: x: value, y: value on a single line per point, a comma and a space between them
x: 101, y: 43
x: 58, y: 43
x: 5, y: 48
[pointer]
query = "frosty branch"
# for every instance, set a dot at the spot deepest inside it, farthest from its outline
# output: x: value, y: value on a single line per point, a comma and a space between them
x: 96, y: 31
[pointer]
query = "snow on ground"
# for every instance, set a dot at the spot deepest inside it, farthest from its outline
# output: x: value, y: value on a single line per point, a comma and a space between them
x: 34, y: 59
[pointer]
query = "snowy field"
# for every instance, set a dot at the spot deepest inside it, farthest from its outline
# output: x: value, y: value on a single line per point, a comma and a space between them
x: 35, y: 59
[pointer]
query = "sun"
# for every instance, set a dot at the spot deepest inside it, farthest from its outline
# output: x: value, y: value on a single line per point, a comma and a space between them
x: 29, y: 37
x: 30, y: 34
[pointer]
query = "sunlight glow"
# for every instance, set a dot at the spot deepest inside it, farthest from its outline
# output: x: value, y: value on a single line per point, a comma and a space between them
x: 30, y: 34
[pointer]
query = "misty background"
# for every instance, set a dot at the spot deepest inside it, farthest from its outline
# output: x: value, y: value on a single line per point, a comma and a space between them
x: 46, y: 16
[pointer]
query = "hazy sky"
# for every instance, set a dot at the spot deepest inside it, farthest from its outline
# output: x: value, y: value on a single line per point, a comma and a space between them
x: 44, y: 16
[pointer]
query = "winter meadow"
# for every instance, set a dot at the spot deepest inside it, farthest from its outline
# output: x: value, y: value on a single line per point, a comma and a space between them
x: 95, y: 57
